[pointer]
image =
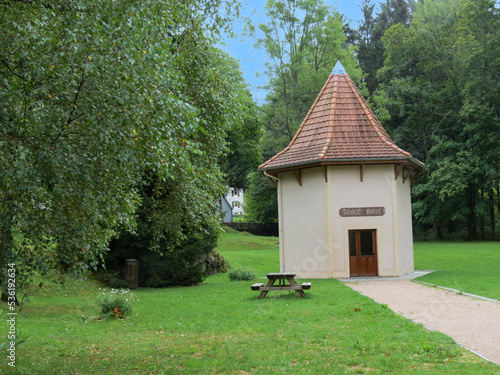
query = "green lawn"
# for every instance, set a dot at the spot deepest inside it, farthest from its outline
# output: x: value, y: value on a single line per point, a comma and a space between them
x: 472, y: 267
x: 239, y: 219
x: 220, y: 327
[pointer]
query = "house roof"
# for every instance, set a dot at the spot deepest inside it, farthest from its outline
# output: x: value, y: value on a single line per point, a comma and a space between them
x: 340, y: 128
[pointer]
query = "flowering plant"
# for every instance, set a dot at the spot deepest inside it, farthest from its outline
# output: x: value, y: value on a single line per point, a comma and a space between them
x: 115, y: 303
x: 117, y: 312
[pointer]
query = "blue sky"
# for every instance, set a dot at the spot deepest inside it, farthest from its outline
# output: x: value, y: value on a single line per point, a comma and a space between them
x: 252, y: 60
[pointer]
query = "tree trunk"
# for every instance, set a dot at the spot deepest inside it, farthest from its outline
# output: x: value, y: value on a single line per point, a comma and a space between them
x: 482, y: 217
x: 498, y: 196
x: 492, y: 214
x: 6, y: 245
x: 439, y: 232
x: 471, y: 219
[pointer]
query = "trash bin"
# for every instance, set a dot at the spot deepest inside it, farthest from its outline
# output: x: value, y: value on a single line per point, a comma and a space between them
x: 132, y: 273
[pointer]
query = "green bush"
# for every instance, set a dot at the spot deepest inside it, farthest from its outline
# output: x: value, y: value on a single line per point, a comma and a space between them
x: 169, y: 253
x: 115, y: 303
x: 184, y: 265
x: 242, y: 274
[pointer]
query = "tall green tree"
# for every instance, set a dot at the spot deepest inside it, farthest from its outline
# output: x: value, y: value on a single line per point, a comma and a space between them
x: 92, y: 94
x: 442, y: 91
x: 478, y: 57
x: 370, y: 32
x: 303, y: 40
x: 242, y: 136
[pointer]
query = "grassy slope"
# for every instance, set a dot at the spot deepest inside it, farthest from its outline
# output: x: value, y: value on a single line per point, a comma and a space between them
x: 472, y: 267
x: 220, y: 327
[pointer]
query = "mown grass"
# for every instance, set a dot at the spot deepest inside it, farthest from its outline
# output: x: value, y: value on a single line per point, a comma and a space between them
x: 239, y: 219
x: 471, y: 267
x: 219, y: 327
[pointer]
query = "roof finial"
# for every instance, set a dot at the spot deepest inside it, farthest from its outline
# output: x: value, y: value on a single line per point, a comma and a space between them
x: 338, y: 69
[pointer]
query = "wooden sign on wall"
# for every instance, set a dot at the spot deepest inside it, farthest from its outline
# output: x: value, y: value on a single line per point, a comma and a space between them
x: 362, y: 211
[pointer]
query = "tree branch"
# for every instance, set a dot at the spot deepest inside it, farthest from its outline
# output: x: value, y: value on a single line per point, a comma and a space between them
x: 70, y: 118
x: 12, y: 71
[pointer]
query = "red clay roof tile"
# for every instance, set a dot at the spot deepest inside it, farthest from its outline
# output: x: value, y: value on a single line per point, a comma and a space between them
x: 340, y: 126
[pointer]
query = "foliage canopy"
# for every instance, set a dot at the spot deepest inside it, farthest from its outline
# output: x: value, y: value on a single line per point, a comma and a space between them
x: 92, y: 94
x: 441, y: 85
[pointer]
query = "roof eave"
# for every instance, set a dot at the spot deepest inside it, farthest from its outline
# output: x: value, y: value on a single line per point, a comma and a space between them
x: 418, y: 165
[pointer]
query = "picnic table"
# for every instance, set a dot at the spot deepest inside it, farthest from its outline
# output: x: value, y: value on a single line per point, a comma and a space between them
x: 282, y: 278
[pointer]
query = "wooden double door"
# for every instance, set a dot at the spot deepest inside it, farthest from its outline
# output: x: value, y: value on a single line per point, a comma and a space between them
x: 363, y: 252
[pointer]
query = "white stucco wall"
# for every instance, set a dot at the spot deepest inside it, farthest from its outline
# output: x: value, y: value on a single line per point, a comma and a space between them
x: 374, y: 191
x: 302, y: 220
x: 404, y: 239
x: 314, y: 237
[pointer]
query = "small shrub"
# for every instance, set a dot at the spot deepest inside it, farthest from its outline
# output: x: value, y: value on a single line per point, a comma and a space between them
x: 115, y: 303
x: 240, y: 274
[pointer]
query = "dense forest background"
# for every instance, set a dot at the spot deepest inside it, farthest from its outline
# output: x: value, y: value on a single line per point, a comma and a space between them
x: 430, y: 71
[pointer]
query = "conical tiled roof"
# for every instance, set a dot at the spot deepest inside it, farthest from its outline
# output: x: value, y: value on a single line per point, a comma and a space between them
x: 340, y: 128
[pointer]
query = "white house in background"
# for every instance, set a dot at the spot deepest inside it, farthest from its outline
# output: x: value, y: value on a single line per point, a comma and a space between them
x: 343, y: 191
x: 236, y: 201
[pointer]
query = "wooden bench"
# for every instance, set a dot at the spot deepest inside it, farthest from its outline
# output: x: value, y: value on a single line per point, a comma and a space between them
x: 257, y: 286
x: 281, y: 278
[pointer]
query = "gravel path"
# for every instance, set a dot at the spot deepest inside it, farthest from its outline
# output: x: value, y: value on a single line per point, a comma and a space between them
x: 471, y: 322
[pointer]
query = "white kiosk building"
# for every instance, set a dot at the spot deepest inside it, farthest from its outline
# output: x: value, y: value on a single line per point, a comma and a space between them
x: 343, y: 191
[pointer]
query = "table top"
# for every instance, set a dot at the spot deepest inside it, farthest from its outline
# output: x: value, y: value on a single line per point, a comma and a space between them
x: 286, y: 275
